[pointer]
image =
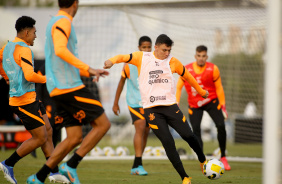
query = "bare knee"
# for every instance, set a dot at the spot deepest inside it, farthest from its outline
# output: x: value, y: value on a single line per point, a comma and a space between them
x: 40, y: 140
x: 75, y: 141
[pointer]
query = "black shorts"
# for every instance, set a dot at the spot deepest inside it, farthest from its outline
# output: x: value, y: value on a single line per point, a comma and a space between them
x: 30, y: 114
x: 136, y: 113
x: 77, y: 108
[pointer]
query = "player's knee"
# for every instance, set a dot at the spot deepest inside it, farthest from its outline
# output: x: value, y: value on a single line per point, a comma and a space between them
x: 75, y: 141
x: 50, y: 131
x: 106, y: 126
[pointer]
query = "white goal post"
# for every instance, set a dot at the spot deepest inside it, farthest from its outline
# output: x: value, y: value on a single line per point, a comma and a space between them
x: 273, y: 91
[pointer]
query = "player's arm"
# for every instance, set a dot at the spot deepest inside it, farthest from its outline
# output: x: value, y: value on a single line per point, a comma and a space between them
x: 124, y: 75
x: 134, y: 58
x: 60, y: 34
x: 2, y: 71
x: 179, y: 86
x: 219, y: 90
x: 121, y: 83
x: 27, y: 66
x: 185, y: 74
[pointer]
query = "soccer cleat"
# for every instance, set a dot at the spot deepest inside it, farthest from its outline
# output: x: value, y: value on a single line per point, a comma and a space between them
x: 186, y: 180
x: 58, y: 178
x: 139, y: 171
x: 8, y: 172
x: 202, y: 166
x: 33, y: 180
x: 225, y: 163
x: 70, y: 173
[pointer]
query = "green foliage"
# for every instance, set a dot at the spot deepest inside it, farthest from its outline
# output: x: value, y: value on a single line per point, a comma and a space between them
x: 243, y: 80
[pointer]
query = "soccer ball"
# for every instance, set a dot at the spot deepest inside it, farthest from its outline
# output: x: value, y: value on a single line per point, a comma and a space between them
x: 109, y: 151
x: 97, y: 151
x: 122, y: 151
x: 213, y: 169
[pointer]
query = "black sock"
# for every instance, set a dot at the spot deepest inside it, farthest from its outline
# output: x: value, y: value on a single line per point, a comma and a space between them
x: 74, y: 160
x: 43, y: 173
x: 56, y: 169
x: 13, y: 159
x: 137, y: 162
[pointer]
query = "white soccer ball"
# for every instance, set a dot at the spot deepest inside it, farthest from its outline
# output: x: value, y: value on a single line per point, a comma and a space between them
x: 148, y: 151
x: 158, y: 151
x: 213, y: 169
x: 97, y: 151
x: 109, y: 151
x: 122, y: 151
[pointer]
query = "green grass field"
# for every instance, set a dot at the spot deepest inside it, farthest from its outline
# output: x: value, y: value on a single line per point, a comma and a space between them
x: 118, y: 171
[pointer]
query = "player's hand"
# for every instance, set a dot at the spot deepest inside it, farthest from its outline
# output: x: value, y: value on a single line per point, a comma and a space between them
x: 116, y: 109
x: 206, y: 95
x: 97, y: 73
x: 224, y: 111
x: 108, y: 64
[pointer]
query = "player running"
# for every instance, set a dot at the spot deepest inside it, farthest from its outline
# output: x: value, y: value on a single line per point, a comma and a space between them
x: 75, y: 104
x: 17, y: 67
x: 157, y: 88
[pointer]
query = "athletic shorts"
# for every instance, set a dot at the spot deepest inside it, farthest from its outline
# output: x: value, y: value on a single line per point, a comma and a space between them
x: 158, y: 115
x: 77, y: 108
x: 136, y: 113
x: 30, y: 114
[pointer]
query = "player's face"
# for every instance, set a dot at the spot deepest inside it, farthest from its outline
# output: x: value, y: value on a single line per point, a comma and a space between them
x: 145, y: 46
x: 30, y: 36
x: 162, y: 51
x: 201, y: 58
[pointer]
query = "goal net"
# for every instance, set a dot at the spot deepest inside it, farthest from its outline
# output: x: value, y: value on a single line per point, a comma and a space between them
x: 235, y: 34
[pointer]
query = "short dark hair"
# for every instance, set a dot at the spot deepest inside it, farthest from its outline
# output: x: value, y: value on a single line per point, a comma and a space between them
x: 164, y: 39
x: 144, y: 39
x: 65, y: 3
x: 201, y: 48
x: 24, y: 22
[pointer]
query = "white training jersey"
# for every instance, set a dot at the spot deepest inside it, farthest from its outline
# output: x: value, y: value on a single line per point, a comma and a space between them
x: 156, y: 82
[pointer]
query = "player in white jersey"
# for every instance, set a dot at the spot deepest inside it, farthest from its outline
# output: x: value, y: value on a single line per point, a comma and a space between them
x: 157, y: 88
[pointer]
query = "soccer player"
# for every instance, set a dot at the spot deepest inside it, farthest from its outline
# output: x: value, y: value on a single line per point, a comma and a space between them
x: 75, y: 104
x: 17, y: 67
x: 208, y: 76
x: 157, y: 89
x: 133, y: 99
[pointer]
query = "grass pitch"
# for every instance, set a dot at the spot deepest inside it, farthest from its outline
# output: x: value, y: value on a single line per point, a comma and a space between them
x: 118, y: 171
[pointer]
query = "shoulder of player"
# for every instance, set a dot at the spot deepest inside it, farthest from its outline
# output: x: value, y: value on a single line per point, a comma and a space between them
x: 64, y: 24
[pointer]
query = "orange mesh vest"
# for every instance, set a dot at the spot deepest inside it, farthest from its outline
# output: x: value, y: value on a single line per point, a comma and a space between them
x: 205, y: 80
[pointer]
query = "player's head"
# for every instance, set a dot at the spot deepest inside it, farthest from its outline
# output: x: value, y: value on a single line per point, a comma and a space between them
x: 201, y: 55
x: 69, y: 4
x: 145, y: 44
x: 163, y: 46
x: 26, y: 29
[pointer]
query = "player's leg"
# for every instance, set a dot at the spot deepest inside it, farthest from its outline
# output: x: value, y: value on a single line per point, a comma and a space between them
x: 138, y: 140
x: 32, y: 121
x: 86, y: 109
x: 178, y: 122
x: 214, y: 110
x: 158, y: 123
x: 100, y: 126
x: 195, y: 117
